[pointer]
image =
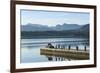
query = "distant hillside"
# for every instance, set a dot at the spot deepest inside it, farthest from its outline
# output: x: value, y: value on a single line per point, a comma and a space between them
x: 85, y: 27
x: 83, y: 31
x: 30, y: 31
x: 67, y: 27
x: 40, y: 27
x: 34, y: 27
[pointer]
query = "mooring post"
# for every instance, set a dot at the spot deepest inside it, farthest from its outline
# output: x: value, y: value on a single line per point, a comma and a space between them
x: 59, y: 46
x: 59, y: 58
x: 85, y: 48
x: 69, y: 47
x: 77, y: 48
x: 63, y: 46
x: 56, y: 58
x: 56, y: 46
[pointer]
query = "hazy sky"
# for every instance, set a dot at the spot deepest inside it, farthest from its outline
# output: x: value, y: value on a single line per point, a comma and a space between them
x: 52, y: 18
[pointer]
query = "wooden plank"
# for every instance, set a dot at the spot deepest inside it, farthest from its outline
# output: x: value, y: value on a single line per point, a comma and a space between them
x: 74, y: 54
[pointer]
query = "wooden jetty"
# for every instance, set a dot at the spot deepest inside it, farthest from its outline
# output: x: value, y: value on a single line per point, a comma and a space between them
x: 66, y: 53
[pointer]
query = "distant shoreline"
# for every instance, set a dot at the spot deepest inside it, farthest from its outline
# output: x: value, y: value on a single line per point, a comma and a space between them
x: 54, y: 34
x: 54, y: 37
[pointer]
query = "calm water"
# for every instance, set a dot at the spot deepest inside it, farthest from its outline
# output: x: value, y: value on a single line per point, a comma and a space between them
x: 30, y: 48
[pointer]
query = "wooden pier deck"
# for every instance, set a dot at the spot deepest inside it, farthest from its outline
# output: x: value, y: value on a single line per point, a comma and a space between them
x: 73, y: 54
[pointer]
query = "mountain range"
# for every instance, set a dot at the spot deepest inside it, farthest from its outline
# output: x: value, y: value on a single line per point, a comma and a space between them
x: 58, y: 27
x: 31, y: 31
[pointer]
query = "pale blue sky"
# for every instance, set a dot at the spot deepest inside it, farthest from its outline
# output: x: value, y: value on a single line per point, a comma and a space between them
x: 52, y: 18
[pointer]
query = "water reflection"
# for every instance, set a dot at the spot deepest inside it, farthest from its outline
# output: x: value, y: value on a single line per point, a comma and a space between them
x: 30, y: 48
x: 55, y: 58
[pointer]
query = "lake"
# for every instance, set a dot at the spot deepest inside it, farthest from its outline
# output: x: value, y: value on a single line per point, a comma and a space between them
x: 30, y: 48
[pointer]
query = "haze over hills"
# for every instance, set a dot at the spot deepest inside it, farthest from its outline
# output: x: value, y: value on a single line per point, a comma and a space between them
x: 59, y: 31
x: 58, y: 27
x: 34, y: 27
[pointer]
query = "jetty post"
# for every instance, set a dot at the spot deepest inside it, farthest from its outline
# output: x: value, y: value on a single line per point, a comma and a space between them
x: 69, y: 47
x: 77, y: 48
x: 85, y: 48
x: 56, y: 47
